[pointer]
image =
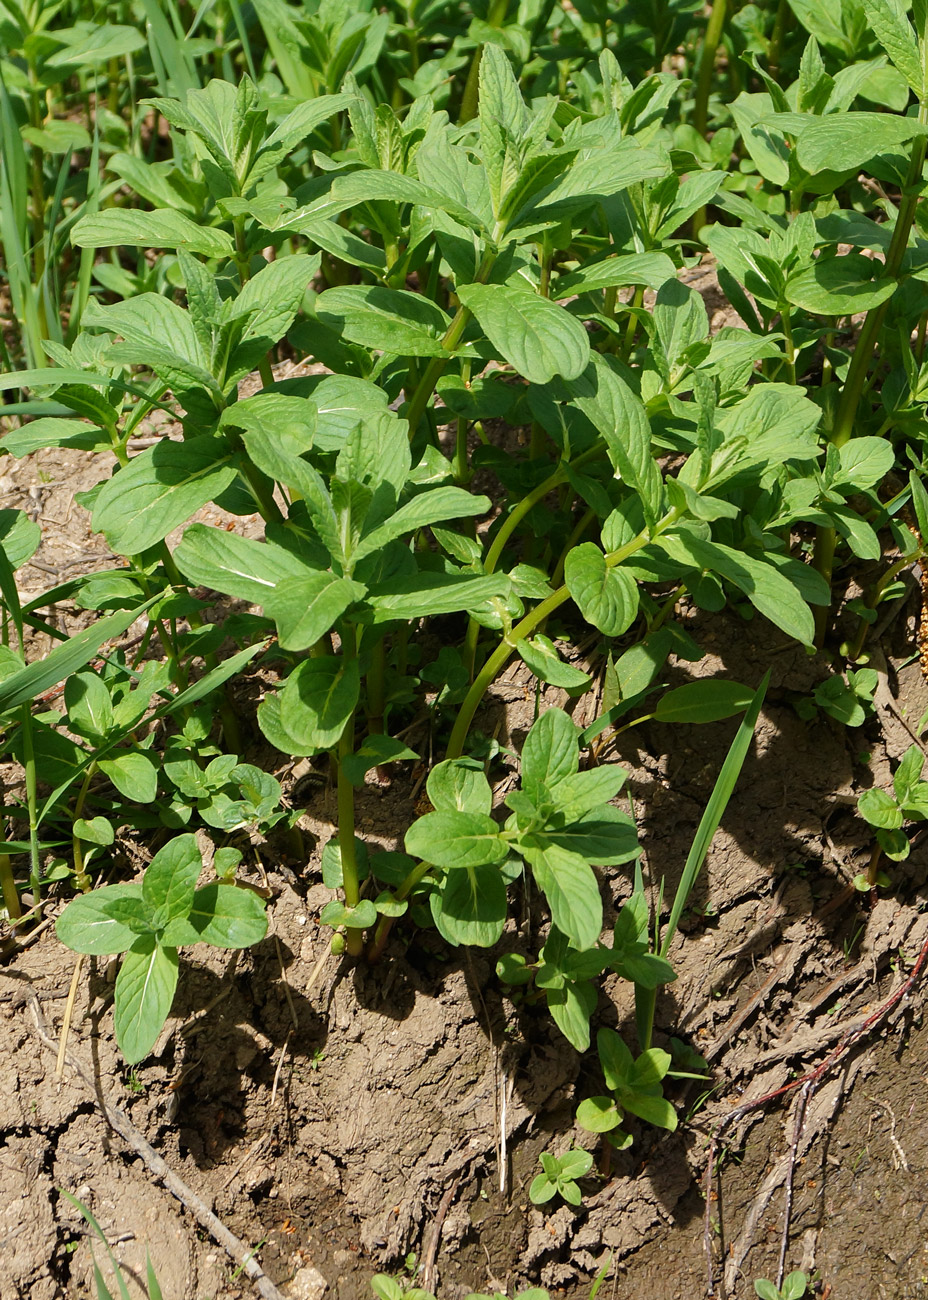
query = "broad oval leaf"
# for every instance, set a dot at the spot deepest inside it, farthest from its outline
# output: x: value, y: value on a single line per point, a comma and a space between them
x: 840, y: 286
x: 606, y: 597
x: 571, y: 889
x: 470, y: 906
x: 703, y: 701
x: 223, y: 915
x: 538, y: 338
x: 318, y: 699
x: 85, y: 925
x: 159, y: 489
x: 456, y: 839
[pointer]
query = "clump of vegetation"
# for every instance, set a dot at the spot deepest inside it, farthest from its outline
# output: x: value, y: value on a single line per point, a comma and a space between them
x: 477, y: 227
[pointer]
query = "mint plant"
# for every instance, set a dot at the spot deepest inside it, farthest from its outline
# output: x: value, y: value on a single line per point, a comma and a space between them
x: 559, y: 1176
x: 148, y: 922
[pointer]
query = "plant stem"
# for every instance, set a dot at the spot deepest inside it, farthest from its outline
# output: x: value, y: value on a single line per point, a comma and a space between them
x: 526, y: 626
x: 710, y: 47
x: 436, y: 367
x: 350, y: 883
x: 385, y: 924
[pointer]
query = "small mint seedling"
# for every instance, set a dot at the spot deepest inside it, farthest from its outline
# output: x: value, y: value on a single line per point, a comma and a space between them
x: 149, y: 921
x: 793, y: 1288
x: 559, y: 1176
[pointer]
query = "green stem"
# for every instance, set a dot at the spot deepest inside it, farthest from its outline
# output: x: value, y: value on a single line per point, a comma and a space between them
x: 346, y: 818
x: 31, y: 804
x: 385, y: 924
x: 436, y: 367
x: 710, y: 47
x: 526, y: 626
x: 80, y: 871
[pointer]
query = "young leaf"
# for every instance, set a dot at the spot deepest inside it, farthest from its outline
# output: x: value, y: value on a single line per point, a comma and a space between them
x: 318, y: 698
x: 145, y: 989
x: 459, y: 784
x: 223, y: 915
x: 571, y: 889
x: 470, y: 906
x: 551, y: 750
x: 171, y: 877
x: 305, y: 608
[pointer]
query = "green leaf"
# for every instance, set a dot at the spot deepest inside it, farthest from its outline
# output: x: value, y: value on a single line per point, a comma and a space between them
x: 766, y: 1290
x: 65, y: 659
x: 95, y: 831
x: 541, y: 1190
x: 765, y: 587
x: 598, y: 1114
x: 159, y: 490
x: 85, y: 926
x: 571, y: 889
x: 538, y: 338
x: 880, y: 810
x: 620, y: 418
x: 459, y: 785
x: 422, y: 595
x: 134, y: 774
x: 578, y: 794
x: 542, y: 658
x: 648, y: 269
x: 390, y: 320
x: 318, y: 699
x: 374, y: 751
x: 20, y: 536
x: 551, y: 751
x: 163, y: 228
x: 846, y: 141
x: 305, y: 608
x: 893, y: 30
x: 456, y: 840
x: 470, y: 906
x: 840, y: 286
x: 606, y: 597
x: 571, y: 1007
x: 703, y: 701
x: 575, y: 1163
x: 655, y: 1110
x: 145, y: 989
x: 171, y: 877
x: 235, y: 565
x: 223, y: 915
x: 863, y: 463
x: 439, y: 504
x: 604, y: 836
x: 90, y: 709
x: 99, y: 45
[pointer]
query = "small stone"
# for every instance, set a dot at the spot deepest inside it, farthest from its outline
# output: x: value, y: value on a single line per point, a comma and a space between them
x: 307, y: 1284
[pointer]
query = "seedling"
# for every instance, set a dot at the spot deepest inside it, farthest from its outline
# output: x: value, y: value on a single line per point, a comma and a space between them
x: 560, y: 1175
x: 148, y: 922
x: 794, y: 1287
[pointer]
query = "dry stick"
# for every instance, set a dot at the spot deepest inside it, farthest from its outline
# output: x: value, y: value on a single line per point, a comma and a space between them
x: 120, y: 1122
x: 790, y: 1174
x: 430, y: 1251
x: 811, y: 1077
x: 66, y: 1019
